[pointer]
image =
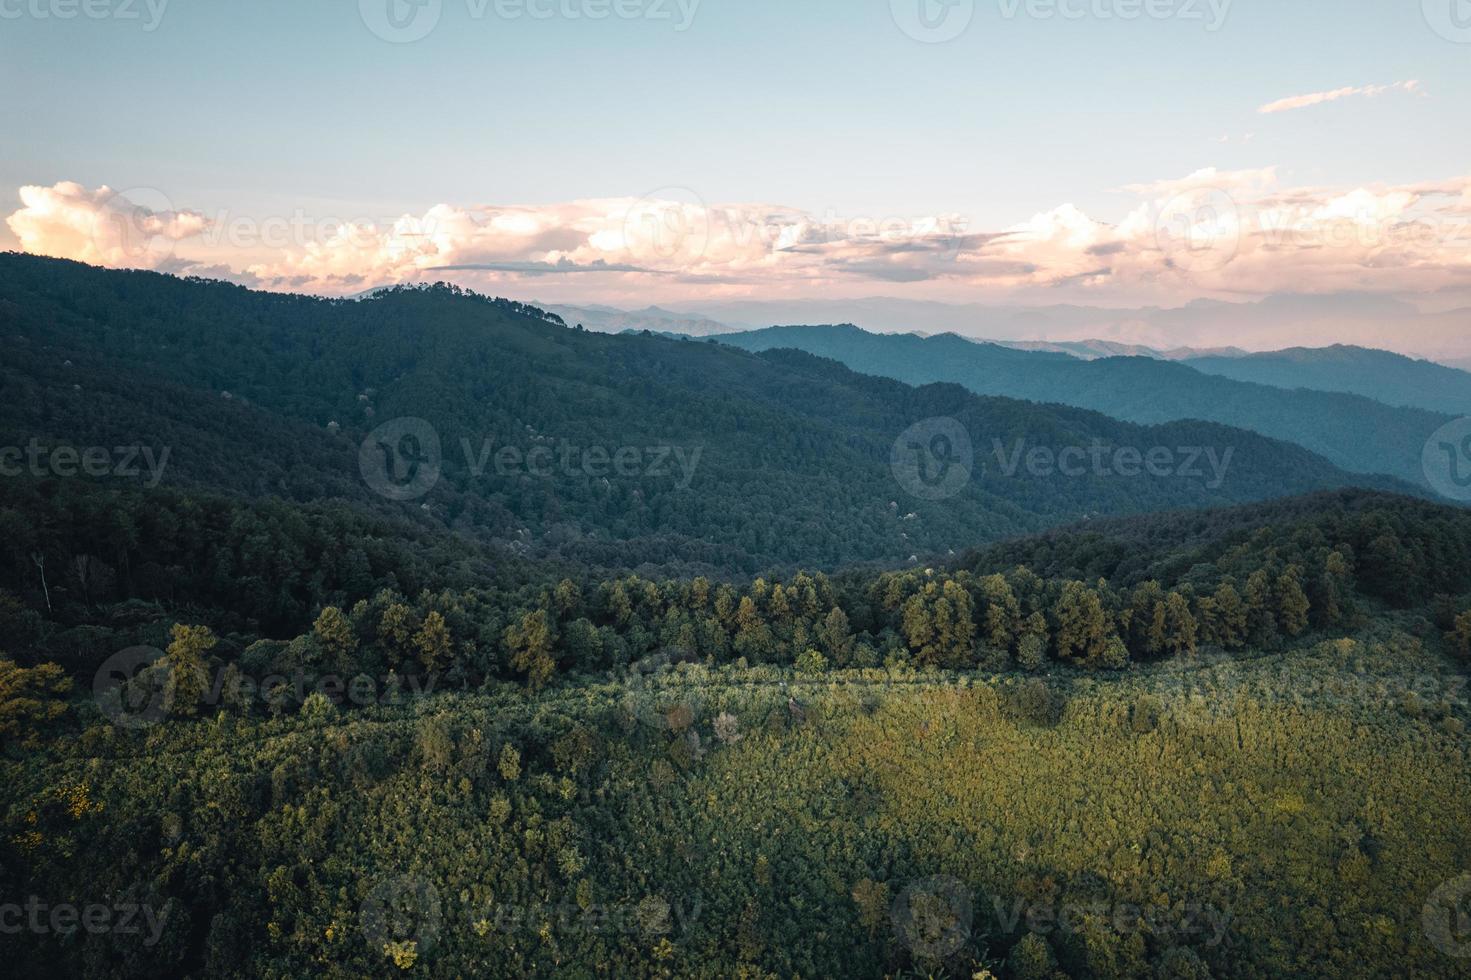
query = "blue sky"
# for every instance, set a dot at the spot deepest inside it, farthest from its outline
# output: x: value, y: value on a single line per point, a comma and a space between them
x: 821, y: 106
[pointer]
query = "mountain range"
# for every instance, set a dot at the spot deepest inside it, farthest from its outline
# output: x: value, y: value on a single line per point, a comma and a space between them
x: 738, y: 462
x: 1354, y: 432
x: 1267, y: 324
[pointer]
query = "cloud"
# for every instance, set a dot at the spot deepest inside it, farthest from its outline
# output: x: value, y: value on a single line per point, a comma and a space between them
x: 1211, y: 233
x: 1319, y: 98
x: 102, y: 227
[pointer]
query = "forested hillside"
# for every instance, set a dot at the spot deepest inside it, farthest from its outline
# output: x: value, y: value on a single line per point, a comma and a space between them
x: 785, y: 709
x: 735, y: 463
x: 1239, y: 750
x: 1352, y: 431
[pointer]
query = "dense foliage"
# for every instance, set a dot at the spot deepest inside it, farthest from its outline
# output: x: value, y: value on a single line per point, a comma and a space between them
x: 257, y: 720
x: 744, y: 463
x: 1286, y: 815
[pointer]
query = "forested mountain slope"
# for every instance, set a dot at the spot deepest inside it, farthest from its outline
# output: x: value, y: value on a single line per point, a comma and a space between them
x: 735, y: 462
x: 1352, y: 431
x: 1381, y: 375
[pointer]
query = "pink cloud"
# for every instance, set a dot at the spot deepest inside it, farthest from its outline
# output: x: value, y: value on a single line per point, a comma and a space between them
x: 1208, y: 233
x: 1319, y: 98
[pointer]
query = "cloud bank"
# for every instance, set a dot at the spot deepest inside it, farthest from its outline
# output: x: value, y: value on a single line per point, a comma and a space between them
x: 1223, y: 234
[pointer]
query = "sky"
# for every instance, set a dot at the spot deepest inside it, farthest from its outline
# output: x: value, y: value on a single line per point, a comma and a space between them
x: 635, y: 152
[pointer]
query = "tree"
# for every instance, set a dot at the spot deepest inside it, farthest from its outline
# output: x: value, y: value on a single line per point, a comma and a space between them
x: 1083, y: 628
x: 531, y: 642
x: 1230, y: 617
x: 396, y: 629
x: 1292, y: 602
x: 811, y: 663
x: 835, y: 635
x: 29, y: 699
x: 1180, y: 625
x: 509, y: 763
x: 1003, y: 612
x: 1031, y: 649
x: 433, y: 643
x: 1260, y: 613
x: 872, y: 899
x: 188, y: 678
x: 753, y: 637
x: 336, y: 636
x: 1459, y: 638
x: 1032, y: 959
x: 1031, y: 652
x: 1147, y: 622
x: 568, y: 597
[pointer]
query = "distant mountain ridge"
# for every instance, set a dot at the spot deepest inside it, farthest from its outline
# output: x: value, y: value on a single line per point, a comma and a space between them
x: 1270, y: 323
x: 1090, y: 350
x: 607, y: 319
x: 1384, y: 376
x: 1355, y: 432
